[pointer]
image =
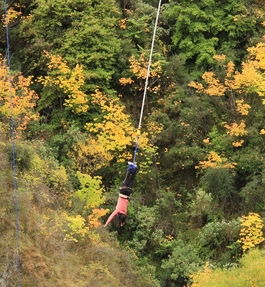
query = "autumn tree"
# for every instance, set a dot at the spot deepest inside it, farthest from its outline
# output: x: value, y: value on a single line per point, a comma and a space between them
x: 17, y: 98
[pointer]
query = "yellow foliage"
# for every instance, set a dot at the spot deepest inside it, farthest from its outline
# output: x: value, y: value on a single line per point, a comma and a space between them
x: 139, y: 67
x: 123, y: 24
x: 125, y: 81
x: 230, y: 68
x: 184, y: 124
x: 214, y: 86
x: 111, y: 134
x: 262, y: 132
x: 242, y: 107
x: 251, y: 78
x: 215, y: 161
x: 90, y: 194
x: 201, y: 276
x: 75, y: 228
x: 238, y: 143
x: 10, y: 16
x: 219, y: 58
x: 236, y: 129
x: 251, y: 233
x: 17, y: 100
x: 59, y: 178
x: 197, y: 86
x: 169, y: 237
x: 206, y: 141
x: 114, y: 132
x: 249, y: 273
x: 70, y: 80
x: 93, y: 219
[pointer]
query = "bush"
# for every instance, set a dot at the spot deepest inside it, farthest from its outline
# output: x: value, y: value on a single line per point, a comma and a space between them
x: 23, y: 154
x: 217, y: 241
x: 220, y: 182
x: 183, y: 261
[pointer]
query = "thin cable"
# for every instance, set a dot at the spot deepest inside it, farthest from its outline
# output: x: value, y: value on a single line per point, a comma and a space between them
x: 146, y: 82
x: 14, y: 159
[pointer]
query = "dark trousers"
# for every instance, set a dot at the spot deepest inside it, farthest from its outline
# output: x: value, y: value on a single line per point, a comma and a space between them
x: 126, y: 187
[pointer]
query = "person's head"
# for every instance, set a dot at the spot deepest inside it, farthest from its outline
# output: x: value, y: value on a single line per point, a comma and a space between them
x: 120, y: 219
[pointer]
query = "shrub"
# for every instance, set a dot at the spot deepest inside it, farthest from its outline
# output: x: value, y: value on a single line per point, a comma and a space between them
x: 183, y: 261
x: 217, y: 241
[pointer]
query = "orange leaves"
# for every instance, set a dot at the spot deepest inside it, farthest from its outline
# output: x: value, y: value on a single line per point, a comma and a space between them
x: 236, y: 129
x: 16, y: 98
x: 70, y: 81
x: 213, y: 86
x: 230, y: 68
x: 206, y: 141
x: 238, y: 143
x: 242, y: 107
x: 11, y: 15
x: 219, y: 58
x: 215, y: 161
x: 93, y: 218
x: 126, y: 81
x: 139, y: 67
x: 123, y: 24
x: 197, y: 86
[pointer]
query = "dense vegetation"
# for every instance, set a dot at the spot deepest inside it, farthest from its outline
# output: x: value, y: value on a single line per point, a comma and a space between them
x: 74, y: 91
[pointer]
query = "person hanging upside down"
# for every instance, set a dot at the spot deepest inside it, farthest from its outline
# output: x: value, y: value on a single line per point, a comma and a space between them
x: 120, y: 212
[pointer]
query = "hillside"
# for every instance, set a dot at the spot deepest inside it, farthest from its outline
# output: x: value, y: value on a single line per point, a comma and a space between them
x: 72, y: 78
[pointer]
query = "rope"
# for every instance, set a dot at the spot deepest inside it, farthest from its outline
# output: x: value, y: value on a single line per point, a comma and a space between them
x: 14, y: 160
x: 146, y: 83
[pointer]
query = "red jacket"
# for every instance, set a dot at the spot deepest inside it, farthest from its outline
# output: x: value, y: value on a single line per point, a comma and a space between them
x: 121, y: 207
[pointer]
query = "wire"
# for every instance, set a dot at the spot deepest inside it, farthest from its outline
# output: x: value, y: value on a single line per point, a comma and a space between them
x: 14, y: 158
x: 146, y: 83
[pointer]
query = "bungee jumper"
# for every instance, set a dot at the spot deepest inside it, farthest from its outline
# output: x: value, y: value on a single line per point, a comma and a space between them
x: 120, y: 212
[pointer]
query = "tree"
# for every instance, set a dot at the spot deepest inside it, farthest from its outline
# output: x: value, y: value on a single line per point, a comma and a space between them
x: 200, y: 30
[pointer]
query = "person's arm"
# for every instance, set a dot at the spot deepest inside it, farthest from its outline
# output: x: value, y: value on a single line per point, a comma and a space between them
x: 113, y: 214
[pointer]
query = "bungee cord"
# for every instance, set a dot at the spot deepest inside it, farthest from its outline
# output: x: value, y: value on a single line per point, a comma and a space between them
x: 146, y: 83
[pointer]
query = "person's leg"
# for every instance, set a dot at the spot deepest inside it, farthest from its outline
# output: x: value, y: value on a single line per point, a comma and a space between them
x: 130, y: 175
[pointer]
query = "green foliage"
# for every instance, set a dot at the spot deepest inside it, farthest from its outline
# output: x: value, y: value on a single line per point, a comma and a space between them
x: 253, y: 193
x: 56, y: 248
x: 54, y: 26
x: 179, y: 216
x: 22, y: 153
x: 183, y: 261
x: 200, y: 30
x: 90, y: 194
x: 145, y: 236
x: 201, y: 207
x: 217, y: 241
x: 220, y: 182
